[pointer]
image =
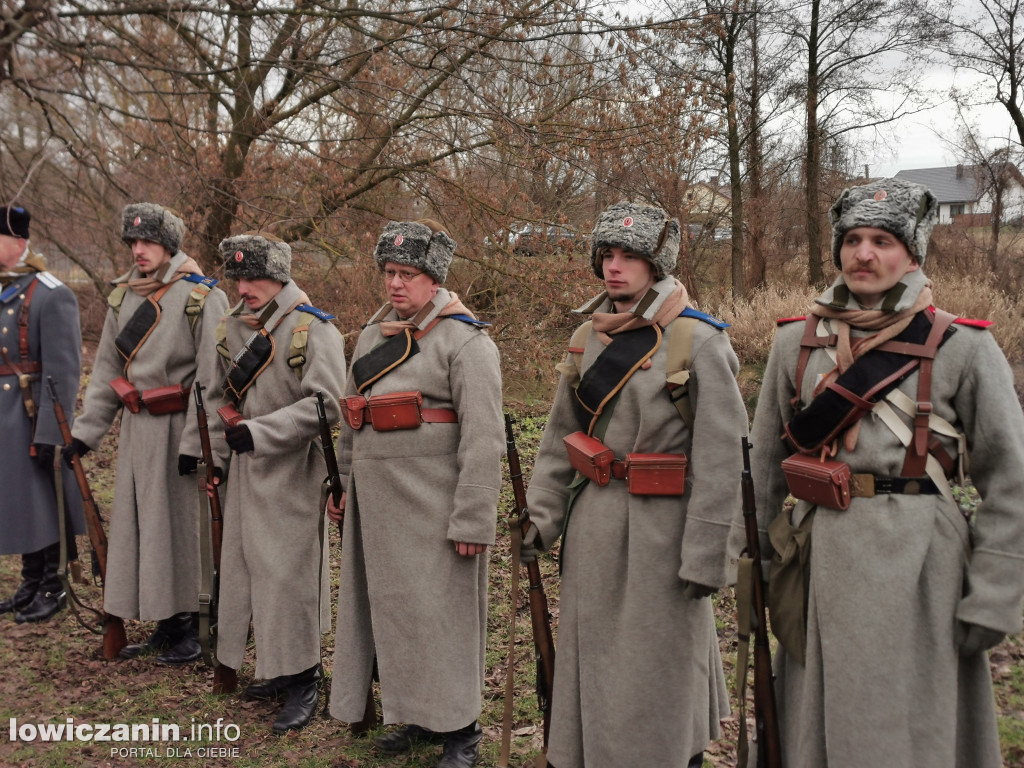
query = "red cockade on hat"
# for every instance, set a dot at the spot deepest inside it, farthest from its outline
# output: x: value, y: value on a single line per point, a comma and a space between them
x: 880, y: 195
x: 628, y: 221
x: 239, y: 255
x: 399, y: 240
x: 138, y: 220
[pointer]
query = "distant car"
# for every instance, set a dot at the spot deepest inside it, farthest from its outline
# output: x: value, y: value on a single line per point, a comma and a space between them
x: 536, y: 239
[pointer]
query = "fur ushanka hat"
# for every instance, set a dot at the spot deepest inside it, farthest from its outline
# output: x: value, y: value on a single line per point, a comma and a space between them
x: 256, y: 256
x: 645, y: 230
x: 907, y: 210
x: 416, y: 244
x: 149, y: 221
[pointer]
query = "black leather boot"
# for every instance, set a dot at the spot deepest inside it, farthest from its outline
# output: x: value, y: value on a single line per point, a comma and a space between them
x: 303, y: 694
x: 403, y: 739
x: 187, y: 649
x: 462, y: 747
x: 167, y: 634
x: 50, y: 596
x: 270, y: 689
x: 696, y: 761
x: 31, y: 577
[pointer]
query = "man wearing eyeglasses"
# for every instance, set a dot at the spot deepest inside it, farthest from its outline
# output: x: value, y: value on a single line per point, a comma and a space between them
x: 420, y: 451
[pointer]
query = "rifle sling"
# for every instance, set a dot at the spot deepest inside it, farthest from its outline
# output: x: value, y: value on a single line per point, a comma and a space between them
x: 610, y: 371
x: 208, y: 576
x: 856, y: 391
x: 62, y: 566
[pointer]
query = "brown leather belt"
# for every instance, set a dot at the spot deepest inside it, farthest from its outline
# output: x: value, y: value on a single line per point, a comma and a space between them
x: 30, y: 366
x: 427, y: 415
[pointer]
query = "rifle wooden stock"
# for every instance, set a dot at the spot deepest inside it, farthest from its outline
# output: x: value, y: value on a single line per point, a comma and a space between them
x: 333, y: 485
x: 216, y: 513
x: 330, y: 457
x: 766, y: 717
x: 114, y: 637
x: 540, y: 618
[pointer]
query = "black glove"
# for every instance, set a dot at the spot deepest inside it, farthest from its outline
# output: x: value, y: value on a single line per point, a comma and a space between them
x: 44, y: 454
x: 239, y: 438
x: 187, y: 464
x: 696, y: 591
x: 77, y: 448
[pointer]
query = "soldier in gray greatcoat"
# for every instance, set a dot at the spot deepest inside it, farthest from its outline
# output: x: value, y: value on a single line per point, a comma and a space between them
x: 420, y: 452
x: 638, y: 679
x: 275, y: 353
x: 160, y: 316
x: 883, y: 594
x: 39, y: 338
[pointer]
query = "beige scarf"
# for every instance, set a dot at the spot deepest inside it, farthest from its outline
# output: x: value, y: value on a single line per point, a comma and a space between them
x: 607, y: 324
x: 453, y: 307
x: 144, y: 286
x: 887, y: 324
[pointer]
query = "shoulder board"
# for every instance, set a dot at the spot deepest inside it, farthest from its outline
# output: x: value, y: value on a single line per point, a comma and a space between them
x: 311, y: 310
x: 11, y: 291
x: 192, y: 277
x: 469, y: 320
x: 48, y: 279
x: 712, y: 321
x: 787, y: 320
x: 973, y: 323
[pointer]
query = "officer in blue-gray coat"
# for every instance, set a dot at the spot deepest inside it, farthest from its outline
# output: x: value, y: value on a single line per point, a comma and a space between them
x: 39, y: 338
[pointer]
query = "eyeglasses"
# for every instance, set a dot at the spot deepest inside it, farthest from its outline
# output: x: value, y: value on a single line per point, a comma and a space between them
x: 405, y: 275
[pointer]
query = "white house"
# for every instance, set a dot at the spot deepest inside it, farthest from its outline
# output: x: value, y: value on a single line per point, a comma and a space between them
x: 965, y: 192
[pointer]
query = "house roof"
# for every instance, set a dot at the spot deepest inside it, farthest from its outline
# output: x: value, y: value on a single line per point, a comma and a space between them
x: 953, y: 184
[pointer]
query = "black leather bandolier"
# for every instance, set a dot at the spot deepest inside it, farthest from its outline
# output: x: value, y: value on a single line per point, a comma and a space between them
x: 858, y: 389
x: 619, y: 360
x: 139, y: 326
x: 251, y: 360
x: 384, y: 358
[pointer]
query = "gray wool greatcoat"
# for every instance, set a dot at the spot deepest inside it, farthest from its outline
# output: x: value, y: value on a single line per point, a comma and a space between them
x: 405, y: 593
x: 153, y: 557
x: 28, y: 506
x: 883, y: 683
x: 638, y: 676
x: 273, y: 567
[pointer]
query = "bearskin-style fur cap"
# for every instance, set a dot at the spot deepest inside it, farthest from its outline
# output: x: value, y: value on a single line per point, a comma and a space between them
x: 255, y: 256
x: 149, y: 221
x: 416, y: 245
x: 907, y: 210
x: 645, y: 230
x: 14, y: 221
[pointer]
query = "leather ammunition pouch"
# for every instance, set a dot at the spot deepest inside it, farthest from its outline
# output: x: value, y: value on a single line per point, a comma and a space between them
x: 229, y: 415
x: 127, y: 393
x: 821, y: 481
x: 590, y: 457
x: 353, y: 410
x: 646, y: 474
x: 170, y: 399
x: 656, y: 474
x: 395, y: 410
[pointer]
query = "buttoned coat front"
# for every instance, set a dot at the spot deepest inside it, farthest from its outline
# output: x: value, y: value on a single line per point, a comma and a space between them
x: 638, y: 678
x: 28, y: 506
x: 153, y: 556
x: 883, y: 683
x: 273, y: 567
x: 405, y: 594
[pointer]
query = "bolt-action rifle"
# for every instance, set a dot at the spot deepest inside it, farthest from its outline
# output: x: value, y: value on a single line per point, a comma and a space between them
x: 114, y: 638
x: 543, y: 642
x: 211, y: 526
x: 753, y: 611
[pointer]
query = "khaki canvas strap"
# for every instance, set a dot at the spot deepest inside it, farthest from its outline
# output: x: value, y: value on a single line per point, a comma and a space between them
x: 744, y: 614
x: 207, y: 577
x: 62, y: 565
x: 516, y: 537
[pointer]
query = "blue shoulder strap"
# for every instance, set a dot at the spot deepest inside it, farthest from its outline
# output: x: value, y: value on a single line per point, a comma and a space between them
x: 469, y: 320
x: 202, y: 279
x: 712, y: 321
x: 314, y: 311
x: 13, y: 290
